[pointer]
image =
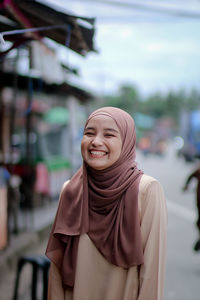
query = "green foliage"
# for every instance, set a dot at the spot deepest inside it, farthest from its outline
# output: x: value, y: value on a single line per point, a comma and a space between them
x: 153, y: 106
x: 126, y: 99
x: 156, y: 105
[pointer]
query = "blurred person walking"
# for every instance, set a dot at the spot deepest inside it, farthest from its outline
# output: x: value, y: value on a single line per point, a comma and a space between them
x: 195, y: 174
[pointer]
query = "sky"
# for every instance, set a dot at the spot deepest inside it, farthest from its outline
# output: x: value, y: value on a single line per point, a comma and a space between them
x: 154, y: 51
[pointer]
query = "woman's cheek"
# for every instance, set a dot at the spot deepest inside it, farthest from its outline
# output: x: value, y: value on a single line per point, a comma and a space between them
x: 83, y: 147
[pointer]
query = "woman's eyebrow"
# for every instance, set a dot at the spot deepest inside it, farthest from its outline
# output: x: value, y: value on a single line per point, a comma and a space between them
x: 89, y: 128
x: 105, y: 129
x: 111, y: 129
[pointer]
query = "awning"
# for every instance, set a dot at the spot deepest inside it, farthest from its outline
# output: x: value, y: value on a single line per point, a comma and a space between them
x: 19, y: 14
x: 57, y: 115
x: 143, y: 121
x: 64, y: 89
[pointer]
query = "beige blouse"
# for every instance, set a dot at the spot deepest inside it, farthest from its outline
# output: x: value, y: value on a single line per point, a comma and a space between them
x: 97, y: 279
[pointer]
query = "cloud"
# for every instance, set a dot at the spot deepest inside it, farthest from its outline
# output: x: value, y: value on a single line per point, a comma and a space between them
x: 155, y: 52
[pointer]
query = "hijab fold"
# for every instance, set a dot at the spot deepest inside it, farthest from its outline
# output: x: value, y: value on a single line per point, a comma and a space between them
x: 103, y: 204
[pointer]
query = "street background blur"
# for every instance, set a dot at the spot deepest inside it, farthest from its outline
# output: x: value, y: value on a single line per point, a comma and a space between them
x: 58, y: 62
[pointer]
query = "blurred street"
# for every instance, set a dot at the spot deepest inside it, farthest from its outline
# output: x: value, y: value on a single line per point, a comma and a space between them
x: 183, y: 264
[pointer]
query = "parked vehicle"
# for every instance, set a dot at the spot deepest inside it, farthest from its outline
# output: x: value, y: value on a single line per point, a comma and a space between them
x: 190, y: 132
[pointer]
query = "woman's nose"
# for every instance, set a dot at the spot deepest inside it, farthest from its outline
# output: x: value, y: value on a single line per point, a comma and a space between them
x: 97, y: 141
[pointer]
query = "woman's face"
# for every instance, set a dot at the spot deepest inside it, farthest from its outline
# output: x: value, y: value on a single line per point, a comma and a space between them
x: 101, y: 144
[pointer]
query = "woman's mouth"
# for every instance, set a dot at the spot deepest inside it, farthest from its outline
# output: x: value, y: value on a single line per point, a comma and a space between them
x: 97, y: 153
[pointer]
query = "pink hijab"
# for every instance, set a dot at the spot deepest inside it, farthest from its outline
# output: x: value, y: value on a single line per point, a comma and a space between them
x: 103, y: 204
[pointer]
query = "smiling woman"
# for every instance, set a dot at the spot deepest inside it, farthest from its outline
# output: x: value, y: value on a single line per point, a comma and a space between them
x: 108, y: 240
x: 101, y: 144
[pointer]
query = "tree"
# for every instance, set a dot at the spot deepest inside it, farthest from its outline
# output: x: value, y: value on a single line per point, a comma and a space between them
x: 127, y: 99
x: 156, y: 105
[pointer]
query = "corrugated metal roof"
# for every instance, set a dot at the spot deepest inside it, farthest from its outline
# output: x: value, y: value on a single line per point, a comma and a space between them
x: 29, y: 14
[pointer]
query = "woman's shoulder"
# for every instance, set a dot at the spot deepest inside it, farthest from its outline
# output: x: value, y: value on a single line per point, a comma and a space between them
x: 150, y: 188
x: 65, y: 184
x: 148, y: 181
x: 151, y: 198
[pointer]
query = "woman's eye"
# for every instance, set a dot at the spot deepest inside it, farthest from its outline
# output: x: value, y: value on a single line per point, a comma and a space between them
x: 89, y: 133
x: 109, y: 135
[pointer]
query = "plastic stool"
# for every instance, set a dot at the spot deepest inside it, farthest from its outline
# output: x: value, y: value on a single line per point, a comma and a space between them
x: 39, y: 263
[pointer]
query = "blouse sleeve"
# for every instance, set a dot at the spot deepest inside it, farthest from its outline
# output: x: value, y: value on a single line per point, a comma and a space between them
x: 55, y: 289
x: 153, y: 214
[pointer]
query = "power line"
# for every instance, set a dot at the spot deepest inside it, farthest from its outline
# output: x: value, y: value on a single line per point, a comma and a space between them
x: 150, y: 8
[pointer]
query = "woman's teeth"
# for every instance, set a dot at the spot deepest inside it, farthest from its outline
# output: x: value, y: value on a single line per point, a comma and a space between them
x: 99, y: 153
